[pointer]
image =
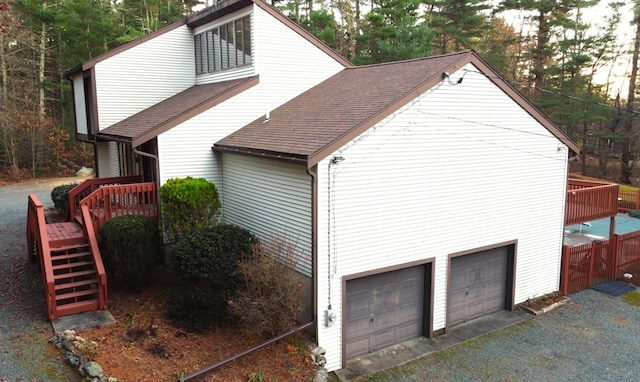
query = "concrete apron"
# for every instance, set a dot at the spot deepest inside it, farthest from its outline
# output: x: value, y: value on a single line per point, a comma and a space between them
x: 419, y: 347
x: 81, y: 321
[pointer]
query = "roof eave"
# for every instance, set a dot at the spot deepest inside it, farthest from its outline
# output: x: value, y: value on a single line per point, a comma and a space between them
x: 471, y: 57
x: 185, y: 115
x: 289, y: 157
x: 124, y: 47
x: 384, y: 113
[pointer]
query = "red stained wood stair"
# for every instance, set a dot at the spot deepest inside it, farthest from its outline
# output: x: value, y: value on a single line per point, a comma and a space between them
x: 75, y: 279
x: 67, y: 252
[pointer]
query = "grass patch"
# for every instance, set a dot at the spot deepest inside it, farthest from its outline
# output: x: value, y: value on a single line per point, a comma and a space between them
x: 632, y: 298
x: 627, y: 188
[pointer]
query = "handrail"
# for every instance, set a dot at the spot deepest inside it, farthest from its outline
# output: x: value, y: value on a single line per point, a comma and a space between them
x: 85, y: 188
x: 210, y: 368
x: 89, y: 233
x: 37, y: 231
x: 107, y: 202
x: 590, y: 203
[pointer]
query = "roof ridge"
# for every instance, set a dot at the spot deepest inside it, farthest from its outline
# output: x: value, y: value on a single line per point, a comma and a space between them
x: 462, y: 53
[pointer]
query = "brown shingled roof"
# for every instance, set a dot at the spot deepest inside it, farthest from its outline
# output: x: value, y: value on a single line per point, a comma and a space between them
x: 323, y: 119
x: 162, y: 116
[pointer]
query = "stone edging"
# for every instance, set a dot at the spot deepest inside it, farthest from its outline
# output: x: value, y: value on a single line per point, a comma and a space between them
x: 75, y: 349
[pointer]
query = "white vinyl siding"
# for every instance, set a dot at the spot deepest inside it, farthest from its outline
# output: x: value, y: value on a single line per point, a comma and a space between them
x: 269, y: 198
x: 463, y: 167
x: 82, y: 127
x: 187, y: 149
x: 288, y: 64
x: 288, y: 67
x: 107, y: 158
x: 144, y: 75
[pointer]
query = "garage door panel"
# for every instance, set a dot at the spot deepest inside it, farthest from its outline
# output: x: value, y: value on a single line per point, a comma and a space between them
x: 358, y: 346
x: 384, y: 297
x: 359, y: 326
x: 409, y: 331
x: 382, y: 339
x: 392, y: 304
x: 478, y: 285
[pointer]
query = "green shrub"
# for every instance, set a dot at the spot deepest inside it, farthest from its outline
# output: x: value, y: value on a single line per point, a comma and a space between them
x: 271, y: 293
x: 60, y: 196
x: 188, y: 205
x: 130, y: 248
x: 212, y: 253
x: 205, y: 262
x: 195, y: 308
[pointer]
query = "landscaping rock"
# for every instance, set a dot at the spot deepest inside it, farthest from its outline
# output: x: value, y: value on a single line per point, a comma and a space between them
x: 91, y: 369
x: 73, y: 346
x: 84, y: 171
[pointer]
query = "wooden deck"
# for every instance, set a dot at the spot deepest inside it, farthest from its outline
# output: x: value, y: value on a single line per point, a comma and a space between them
x: 590, y: 201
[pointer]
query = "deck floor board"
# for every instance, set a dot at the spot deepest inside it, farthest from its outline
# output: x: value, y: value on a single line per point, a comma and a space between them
x: 64, y: 231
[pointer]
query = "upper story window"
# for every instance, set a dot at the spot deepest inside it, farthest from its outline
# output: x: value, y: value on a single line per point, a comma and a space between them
x: 224, y: 47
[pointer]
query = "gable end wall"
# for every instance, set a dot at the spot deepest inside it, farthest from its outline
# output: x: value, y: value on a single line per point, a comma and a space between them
x: 460, y: 168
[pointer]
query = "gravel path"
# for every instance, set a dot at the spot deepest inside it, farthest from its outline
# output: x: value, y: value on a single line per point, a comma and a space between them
x: 594, y: 338
x: 25, y: 354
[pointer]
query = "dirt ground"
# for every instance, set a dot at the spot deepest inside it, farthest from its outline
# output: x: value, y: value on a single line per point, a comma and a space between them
x: 145, y: 345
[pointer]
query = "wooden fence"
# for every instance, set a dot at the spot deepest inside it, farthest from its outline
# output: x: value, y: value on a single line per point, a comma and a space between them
x: 588, y: 264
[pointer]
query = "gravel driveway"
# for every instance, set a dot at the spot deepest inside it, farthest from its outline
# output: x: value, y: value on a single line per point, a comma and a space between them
x: 594, y: 338
x: 25, y: 354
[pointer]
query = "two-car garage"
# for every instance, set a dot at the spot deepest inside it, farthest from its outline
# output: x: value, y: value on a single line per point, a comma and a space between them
x: 389, y: 306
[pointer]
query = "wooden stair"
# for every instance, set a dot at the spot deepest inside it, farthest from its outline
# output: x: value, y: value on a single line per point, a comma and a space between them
x: 75, y: 279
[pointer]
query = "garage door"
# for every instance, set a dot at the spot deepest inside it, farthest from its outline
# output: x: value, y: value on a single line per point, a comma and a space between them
x: 478, y: 284
x: 384, y: 309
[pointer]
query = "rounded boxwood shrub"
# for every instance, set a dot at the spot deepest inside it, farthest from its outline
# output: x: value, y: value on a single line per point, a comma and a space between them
x: 60, y: 196
x: 188, y: 205
x: 212, y: 253
x: 130, y: 247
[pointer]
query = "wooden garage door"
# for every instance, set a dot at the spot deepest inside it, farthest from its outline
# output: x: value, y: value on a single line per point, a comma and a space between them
x: 478, y: 284
x: 384, y: 309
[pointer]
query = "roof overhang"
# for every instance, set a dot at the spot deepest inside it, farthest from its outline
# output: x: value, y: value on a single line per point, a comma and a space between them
x: 123, y: 131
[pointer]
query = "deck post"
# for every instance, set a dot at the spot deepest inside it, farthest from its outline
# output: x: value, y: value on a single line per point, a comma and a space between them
x: 564, y: 270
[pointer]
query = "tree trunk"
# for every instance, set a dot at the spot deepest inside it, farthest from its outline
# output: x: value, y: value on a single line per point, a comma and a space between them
x: 626, y: 168
x: 539, y: 59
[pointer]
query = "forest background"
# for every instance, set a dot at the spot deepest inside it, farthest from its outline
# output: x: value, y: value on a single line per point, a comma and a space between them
x: 555, y: 52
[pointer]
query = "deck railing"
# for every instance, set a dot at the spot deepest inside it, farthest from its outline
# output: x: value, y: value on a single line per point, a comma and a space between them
x: 85, y: 188
x: 590, y: 201
x: 628, y: 200
x: 38, y: 243
x: 97, y: 259
x: 108, y: 202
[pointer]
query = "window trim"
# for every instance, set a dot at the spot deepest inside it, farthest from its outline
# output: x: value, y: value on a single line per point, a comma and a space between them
x: 218, y: 48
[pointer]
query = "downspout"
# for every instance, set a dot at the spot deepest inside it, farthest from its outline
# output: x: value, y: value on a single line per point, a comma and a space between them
x: 155, y: 158
x: 313, y: 172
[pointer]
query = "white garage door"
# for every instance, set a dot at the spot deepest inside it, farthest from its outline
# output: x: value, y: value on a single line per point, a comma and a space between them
x: 384, y: 309
x: 478, y: 284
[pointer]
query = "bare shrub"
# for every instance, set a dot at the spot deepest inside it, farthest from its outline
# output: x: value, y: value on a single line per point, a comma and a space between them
x: 270, y: 294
